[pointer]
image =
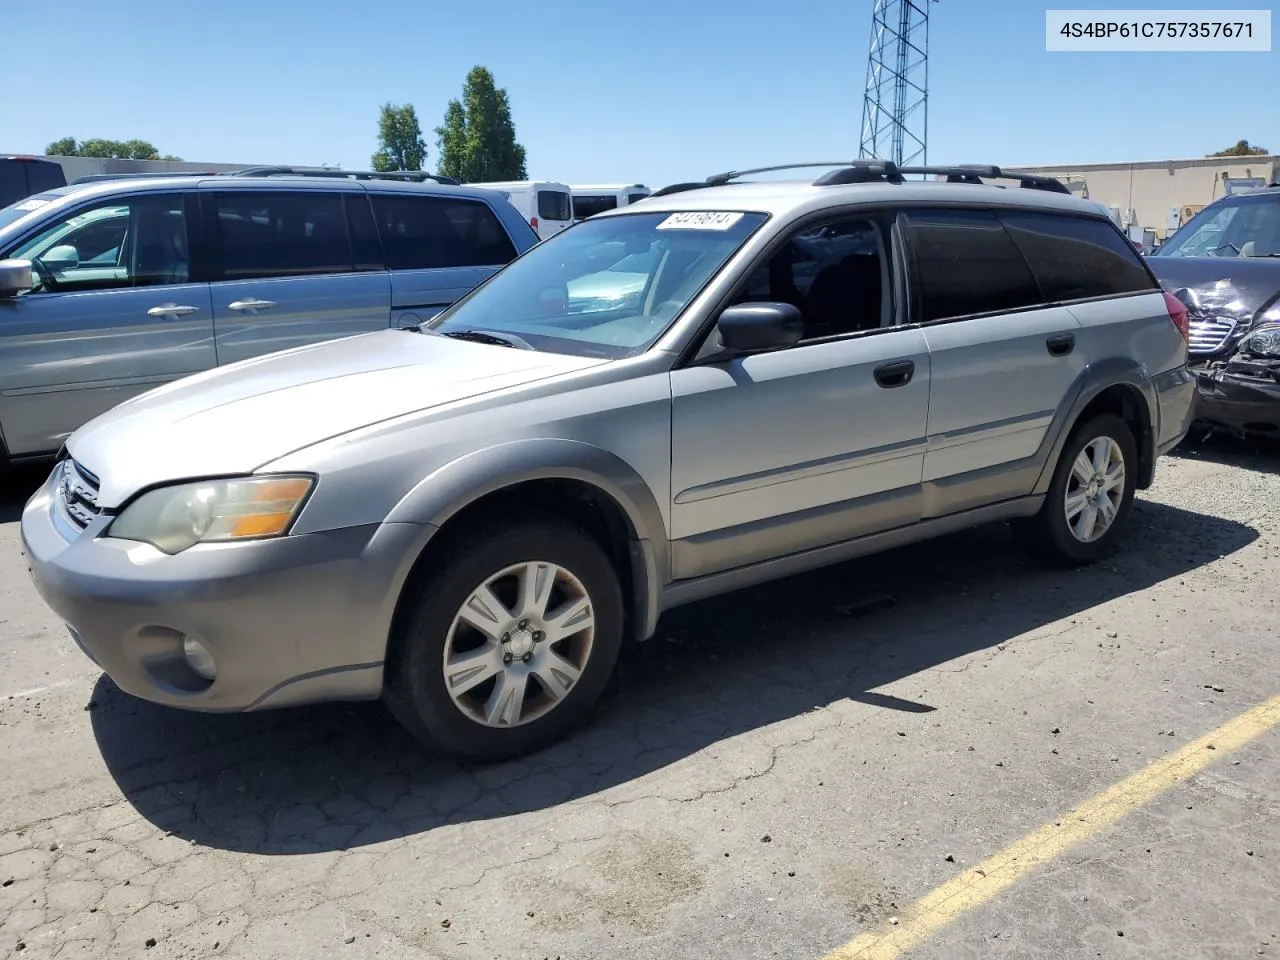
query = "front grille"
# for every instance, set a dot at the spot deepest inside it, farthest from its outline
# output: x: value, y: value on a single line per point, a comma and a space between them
x: 1208, y: 334
x: 77, y: 493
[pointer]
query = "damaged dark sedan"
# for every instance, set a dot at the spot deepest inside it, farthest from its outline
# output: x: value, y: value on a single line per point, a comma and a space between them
x: 1225, y: 265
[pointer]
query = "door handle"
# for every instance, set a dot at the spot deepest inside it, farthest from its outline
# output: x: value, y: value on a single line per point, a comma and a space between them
x: 896, y: 374
x: 171, y: 310
x: 250, y: 305
x: 1060, y: 344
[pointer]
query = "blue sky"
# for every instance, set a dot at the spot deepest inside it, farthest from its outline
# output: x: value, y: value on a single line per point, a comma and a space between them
x: 651, y: 92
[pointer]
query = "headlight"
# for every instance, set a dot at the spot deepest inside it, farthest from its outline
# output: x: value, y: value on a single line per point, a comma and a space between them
x: 213, y: 511
x: 1262, y: 343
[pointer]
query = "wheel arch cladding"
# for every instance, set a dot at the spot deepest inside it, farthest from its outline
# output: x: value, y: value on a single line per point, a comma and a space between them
x: 1121, y: 387
x: 567, y: 478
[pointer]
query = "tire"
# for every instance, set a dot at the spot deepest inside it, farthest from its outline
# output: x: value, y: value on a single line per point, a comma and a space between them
x: 1049, y: 534
x: 482, y: 719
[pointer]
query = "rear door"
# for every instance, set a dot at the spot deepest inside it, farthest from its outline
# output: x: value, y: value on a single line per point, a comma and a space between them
x: 554, y: 206
x: 121, y: 306
x: 287, y: 270
x: 437, y: 248
x: 1002, y: 360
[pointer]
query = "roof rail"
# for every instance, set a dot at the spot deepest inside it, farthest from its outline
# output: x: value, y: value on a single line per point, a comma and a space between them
x: 97, y: 177
x: 863, y: 171
x: 880, y: 171
x: 411, y: 176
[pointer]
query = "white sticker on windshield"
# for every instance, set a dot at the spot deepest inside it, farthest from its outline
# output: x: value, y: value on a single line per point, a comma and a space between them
x: 30, y: 205
x: 704, y: 220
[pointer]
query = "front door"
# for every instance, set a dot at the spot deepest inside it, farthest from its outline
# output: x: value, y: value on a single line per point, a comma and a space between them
x: 815, y: 444
x: 114, y: 313
x: 287, y: 272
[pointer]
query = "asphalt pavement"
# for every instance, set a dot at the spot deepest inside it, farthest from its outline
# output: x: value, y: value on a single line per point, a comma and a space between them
x: 940, y: 752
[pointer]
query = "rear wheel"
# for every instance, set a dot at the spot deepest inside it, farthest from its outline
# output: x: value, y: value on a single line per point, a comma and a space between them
x: 1090, y: 496
x: 508, y: 646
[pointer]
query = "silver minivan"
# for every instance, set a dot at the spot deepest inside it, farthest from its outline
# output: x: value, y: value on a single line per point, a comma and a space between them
x: 137, y: 282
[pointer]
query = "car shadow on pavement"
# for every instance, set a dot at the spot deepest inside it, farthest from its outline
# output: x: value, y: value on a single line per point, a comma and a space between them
x: 341, y: 776
x: 1259, y: 454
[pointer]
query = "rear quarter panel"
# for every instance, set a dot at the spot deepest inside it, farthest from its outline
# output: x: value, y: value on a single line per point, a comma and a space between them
x: 1138, y: 329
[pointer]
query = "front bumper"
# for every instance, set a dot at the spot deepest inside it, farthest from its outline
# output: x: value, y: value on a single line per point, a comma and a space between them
x: 293, y: 620
x: 1241, y: 403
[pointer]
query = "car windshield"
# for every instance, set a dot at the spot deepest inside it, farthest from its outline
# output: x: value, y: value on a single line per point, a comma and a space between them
x: 1244, y: 226
x: 607, y: 287
x: 25, y: 207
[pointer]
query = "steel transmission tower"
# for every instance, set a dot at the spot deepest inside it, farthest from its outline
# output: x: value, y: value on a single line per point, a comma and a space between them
x: 895, y: 110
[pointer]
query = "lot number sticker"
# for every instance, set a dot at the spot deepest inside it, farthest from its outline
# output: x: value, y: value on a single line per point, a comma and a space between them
x: 700, y: 221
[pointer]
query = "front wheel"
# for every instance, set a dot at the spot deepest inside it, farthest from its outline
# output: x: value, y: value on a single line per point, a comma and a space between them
x: 510, y: 644
x: 1089, y: 497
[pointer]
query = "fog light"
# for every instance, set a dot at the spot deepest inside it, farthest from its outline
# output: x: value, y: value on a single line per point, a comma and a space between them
x: 199, y: 658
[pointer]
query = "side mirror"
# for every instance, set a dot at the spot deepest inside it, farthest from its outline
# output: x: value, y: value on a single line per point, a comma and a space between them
x: 62, y: 257
x: 15, y: 278
x: 754, y: 327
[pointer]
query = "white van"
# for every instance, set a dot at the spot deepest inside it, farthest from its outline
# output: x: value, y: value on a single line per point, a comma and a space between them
x: 544, y: 203
x: 592, y: 198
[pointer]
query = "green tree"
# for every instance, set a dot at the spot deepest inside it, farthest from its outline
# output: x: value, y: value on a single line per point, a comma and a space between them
x: 108, y: 149
x: 1242, y: 149
x: 453, y: 142
x: 400, y: 143
x: 478, y: 137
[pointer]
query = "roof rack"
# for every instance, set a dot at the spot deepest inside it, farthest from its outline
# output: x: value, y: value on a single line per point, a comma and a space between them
x: 411, y: 176
x: 98, y: 177
x: 880, y: 171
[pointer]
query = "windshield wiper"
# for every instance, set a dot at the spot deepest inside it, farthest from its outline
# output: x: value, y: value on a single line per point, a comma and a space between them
x: 480, y: 336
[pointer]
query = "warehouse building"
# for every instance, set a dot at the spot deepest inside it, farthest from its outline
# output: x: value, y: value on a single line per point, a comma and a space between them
x: 1151, y: 198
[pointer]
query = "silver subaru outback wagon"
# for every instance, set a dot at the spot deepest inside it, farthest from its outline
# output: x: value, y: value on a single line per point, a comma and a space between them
x: 714, y: 387
x: 112, y: 288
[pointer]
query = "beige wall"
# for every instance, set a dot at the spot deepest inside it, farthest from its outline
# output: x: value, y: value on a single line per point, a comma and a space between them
x: 1152, y: 188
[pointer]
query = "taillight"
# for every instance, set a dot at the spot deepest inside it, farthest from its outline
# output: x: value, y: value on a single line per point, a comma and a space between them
x: 1179, y: 314
x: 533, y: 222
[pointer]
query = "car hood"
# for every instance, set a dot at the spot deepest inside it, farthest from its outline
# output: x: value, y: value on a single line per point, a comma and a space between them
x: 233, y: 419
x: 1245, y: 284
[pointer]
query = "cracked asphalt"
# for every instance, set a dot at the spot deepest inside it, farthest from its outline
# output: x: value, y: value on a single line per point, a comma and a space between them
x: 776, y: 772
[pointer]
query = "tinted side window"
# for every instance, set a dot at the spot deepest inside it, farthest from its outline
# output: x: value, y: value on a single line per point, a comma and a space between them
x: 589, y: 206
x: 365, y: 244
x: 554, y: 205
x: 635, y: 197
x: 425, y: 232
x: 1073, y: 257
x: 282, y: 234
x: 965, y: 264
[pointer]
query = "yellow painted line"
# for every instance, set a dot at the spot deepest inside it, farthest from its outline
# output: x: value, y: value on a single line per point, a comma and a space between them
x: 977, y: 886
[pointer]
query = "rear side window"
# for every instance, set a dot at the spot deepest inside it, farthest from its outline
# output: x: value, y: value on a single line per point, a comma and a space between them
x: 589, y: 206
x: 1074, y: 258
x: 635, y: 197
x: 282, y: 234
x: 425, y: 232
x: 965, y: 263
x: 554, y: 205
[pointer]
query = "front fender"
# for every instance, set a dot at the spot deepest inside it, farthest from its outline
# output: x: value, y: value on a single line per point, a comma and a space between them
x: 450, y: 488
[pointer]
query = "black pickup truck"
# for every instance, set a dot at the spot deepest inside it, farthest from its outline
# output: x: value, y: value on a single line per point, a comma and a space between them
x: 20, y: 177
